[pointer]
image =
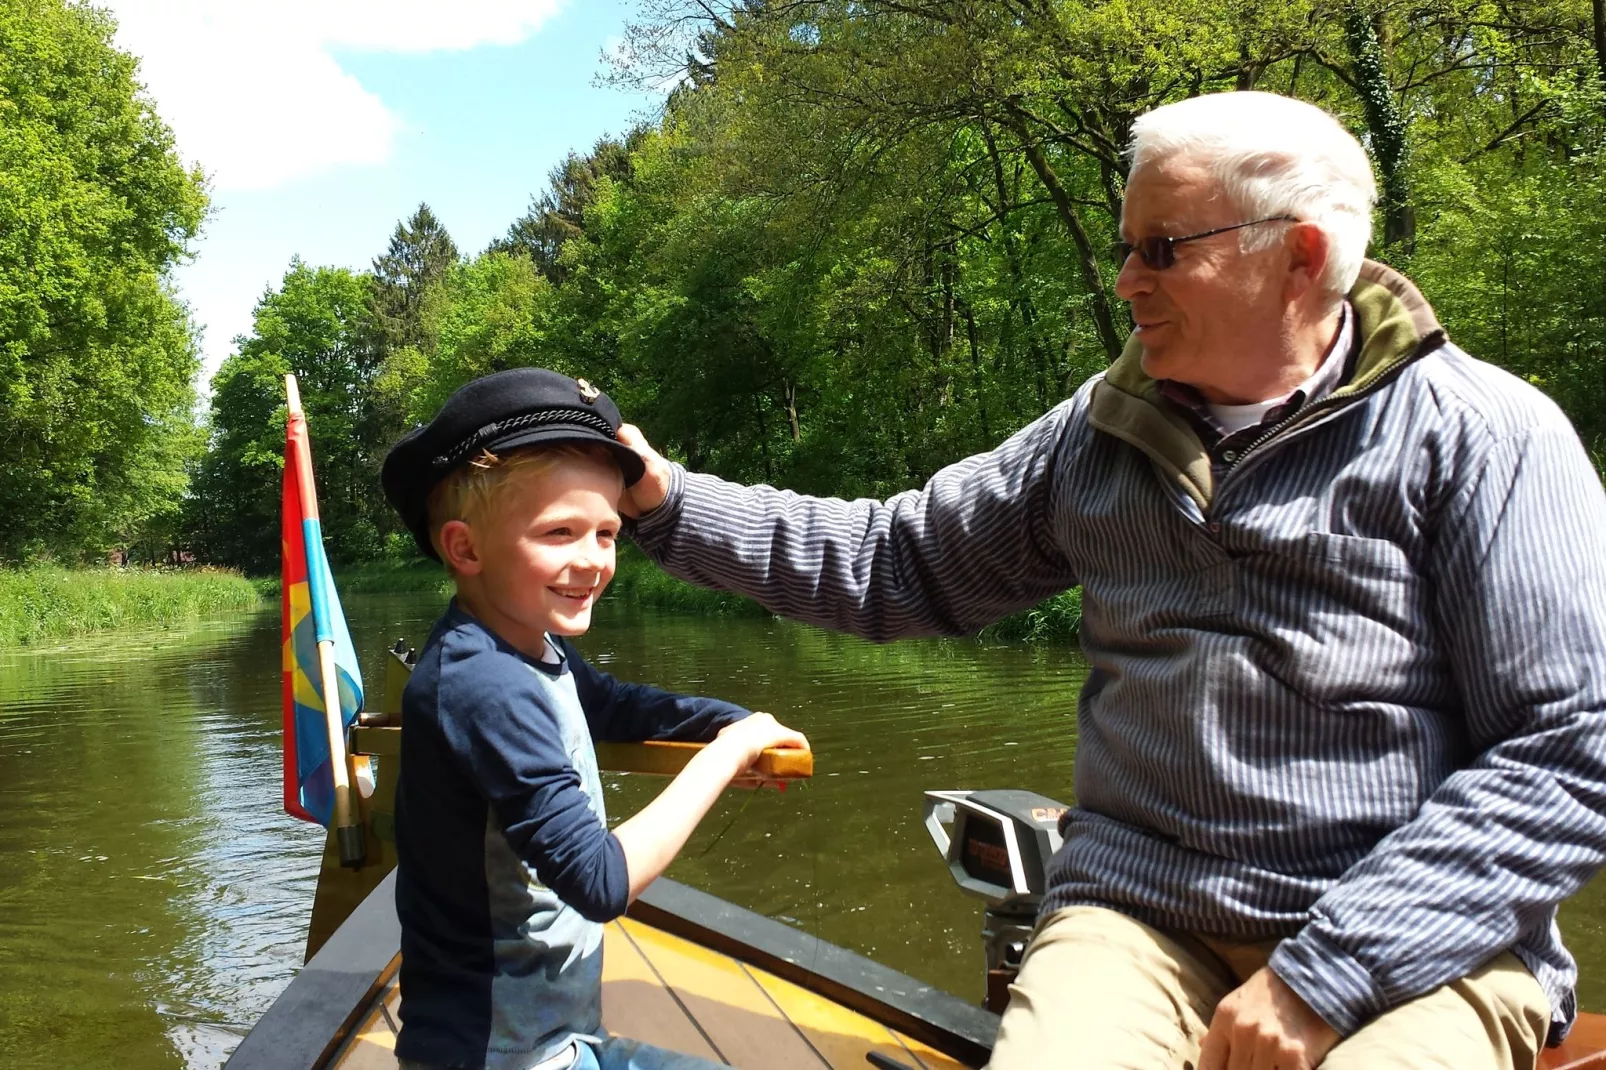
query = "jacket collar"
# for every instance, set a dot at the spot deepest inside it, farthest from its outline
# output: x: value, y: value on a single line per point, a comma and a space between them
x: 1394, y: 325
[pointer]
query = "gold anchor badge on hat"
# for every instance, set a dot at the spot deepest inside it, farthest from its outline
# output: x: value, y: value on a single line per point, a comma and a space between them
x: 588, y: 393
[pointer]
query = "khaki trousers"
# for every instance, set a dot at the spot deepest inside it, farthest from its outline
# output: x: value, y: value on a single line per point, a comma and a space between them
x: 1101, y: 991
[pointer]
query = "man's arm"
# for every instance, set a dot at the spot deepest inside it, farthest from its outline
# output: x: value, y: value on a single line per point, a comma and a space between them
x: 976, y: 544
x: 622, y: 712
x: 1521, y: 600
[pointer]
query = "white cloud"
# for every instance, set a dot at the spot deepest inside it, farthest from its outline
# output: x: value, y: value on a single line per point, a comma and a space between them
x: 254, y: 93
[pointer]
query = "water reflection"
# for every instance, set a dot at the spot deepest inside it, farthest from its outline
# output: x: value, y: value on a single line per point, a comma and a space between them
x: 154, y: 898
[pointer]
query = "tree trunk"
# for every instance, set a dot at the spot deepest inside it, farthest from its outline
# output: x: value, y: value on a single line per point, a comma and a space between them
x: 1386, y: 125
x: 1103, y: 316
x: 1020, y: 297
x: 764, y: 439
x: 978, y: 382
x: 789, y: 393
x: 1599, y: 7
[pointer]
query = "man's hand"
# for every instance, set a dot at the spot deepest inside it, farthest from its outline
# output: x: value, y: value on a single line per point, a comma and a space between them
x: 1264, y: 1025
x: 648, y: 493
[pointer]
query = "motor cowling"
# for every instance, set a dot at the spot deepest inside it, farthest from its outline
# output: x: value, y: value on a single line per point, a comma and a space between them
x: 997, y: 845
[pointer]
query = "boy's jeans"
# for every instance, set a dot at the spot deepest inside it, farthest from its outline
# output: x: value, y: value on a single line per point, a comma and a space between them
x: 617, y: 1053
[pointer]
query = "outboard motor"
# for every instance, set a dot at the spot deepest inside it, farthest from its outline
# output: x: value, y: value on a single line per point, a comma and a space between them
x: 997, y: 845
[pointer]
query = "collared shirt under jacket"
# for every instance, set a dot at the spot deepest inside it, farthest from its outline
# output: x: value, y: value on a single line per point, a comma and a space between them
x: 1353, y: 693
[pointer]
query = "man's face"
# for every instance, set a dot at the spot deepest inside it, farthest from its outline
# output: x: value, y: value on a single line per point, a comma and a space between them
x: 1214, y: 310
x: 547, y: 553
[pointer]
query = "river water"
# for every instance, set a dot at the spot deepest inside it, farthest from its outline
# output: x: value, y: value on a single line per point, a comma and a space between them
x: 154, y: 898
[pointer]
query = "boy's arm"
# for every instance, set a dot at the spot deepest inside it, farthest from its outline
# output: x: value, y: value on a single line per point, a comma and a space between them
x: 511, y: 744
x: 621, y: 712
x: 651, y: 839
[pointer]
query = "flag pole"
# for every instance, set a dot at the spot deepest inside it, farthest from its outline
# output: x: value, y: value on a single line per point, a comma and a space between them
x: 348, y: 833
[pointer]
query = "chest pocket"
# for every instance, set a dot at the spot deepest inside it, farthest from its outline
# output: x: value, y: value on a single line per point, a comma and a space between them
x: 1343, y: 615
x: 1357, y: 556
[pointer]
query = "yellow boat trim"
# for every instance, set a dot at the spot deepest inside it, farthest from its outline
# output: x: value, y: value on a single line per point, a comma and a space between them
x: 668, y: 991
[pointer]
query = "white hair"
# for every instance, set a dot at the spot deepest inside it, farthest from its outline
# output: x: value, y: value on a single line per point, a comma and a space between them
x: 1274, y: 156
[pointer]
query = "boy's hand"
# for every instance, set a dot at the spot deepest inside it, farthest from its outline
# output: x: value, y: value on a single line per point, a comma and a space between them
x: 746, y: 739
x: 651, y: 489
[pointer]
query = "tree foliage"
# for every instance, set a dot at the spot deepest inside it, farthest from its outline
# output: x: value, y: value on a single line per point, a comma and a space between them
x: 868, y: 237
x: 318, y: 326
x: 97, y: 358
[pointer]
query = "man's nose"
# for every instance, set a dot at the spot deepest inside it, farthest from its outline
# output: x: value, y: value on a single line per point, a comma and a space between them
x: 1136, y: 278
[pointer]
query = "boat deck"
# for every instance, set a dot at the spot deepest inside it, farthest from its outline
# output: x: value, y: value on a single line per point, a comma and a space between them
x: 668, y: 991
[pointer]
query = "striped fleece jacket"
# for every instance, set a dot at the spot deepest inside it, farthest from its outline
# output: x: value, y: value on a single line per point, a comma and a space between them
x: 1350, y: 692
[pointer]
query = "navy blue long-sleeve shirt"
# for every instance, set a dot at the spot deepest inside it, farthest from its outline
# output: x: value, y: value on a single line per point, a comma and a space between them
x: 506, y: 866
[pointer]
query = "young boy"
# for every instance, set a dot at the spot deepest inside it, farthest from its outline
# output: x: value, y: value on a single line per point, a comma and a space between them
x: 506, y: 865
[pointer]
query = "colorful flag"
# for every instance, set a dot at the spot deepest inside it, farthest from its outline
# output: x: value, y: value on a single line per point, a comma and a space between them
x: 311, y: 615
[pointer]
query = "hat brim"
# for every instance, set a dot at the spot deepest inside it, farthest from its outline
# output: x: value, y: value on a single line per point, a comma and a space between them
x: 629, y: 461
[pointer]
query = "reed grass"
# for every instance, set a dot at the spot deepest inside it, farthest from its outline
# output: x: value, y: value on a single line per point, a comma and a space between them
x: 394, y: 577
x: 46, y: 602
x: 639, y: 582
x: 1055, y: 620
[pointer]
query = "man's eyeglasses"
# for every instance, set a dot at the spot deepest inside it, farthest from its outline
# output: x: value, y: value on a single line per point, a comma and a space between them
x: 1161, y: 253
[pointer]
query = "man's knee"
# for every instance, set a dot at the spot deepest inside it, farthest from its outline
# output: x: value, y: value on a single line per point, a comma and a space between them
x: 1495, y: 1018
x: 1099, y: 989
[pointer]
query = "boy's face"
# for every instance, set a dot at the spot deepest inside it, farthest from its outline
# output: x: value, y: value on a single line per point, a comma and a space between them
x: 541, y: 561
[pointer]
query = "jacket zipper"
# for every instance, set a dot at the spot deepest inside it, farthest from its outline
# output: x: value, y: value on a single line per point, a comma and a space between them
x: 1313, y: 414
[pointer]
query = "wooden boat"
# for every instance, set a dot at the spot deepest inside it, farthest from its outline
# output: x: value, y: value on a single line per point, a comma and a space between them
x: 689, y: 971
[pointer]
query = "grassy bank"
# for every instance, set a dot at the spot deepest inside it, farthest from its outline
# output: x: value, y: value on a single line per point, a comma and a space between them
x: 46, y: 603
x: 376, y: 577
x: 639, y: 582
x: 1057, y: 620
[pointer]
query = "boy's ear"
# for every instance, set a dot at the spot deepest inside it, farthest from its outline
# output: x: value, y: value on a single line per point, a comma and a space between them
x: 457, y: 548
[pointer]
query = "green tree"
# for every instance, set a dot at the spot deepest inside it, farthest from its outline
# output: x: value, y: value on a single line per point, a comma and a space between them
x: 490, y: 317
x: 421, y: 252
x: 97, y: 357
x: 316, y: 326
x: 559, y: 214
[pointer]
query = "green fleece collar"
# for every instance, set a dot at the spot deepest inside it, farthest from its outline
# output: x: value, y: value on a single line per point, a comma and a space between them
x: 1392, y: 319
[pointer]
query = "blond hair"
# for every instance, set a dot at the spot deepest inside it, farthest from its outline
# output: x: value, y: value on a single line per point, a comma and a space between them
x: 476, y: 490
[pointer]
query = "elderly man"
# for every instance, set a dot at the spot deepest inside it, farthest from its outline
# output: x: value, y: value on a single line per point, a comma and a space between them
x: 1343, y: 748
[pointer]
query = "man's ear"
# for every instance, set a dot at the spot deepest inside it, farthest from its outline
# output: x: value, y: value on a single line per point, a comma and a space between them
x: 456, y: 544
x: 1308, y: 251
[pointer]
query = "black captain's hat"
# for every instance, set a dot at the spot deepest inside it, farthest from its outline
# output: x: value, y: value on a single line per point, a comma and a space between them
x: 504, y: 411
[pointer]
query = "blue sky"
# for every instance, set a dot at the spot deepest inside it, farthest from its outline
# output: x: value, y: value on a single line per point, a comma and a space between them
x: 323, y: 122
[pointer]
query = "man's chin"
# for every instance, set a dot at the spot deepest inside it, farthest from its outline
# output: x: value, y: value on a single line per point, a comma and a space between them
x: 1157, y: 363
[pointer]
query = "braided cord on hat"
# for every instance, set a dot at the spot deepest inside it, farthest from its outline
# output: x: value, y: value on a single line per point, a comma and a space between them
x: 591, y: 420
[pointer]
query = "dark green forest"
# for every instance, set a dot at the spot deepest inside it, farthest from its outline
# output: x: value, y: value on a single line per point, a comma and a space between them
x: 862, y: 240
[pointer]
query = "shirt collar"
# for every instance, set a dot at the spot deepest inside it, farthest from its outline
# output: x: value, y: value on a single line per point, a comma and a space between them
x: 1328, y: 377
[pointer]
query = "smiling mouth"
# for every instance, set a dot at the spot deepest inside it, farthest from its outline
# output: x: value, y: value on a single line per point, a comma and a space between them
x: 577, y: 594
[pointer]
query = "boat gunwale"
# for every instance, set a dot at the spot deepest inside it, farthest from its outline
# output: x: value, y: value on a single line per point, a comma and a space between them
x: 328, y: 997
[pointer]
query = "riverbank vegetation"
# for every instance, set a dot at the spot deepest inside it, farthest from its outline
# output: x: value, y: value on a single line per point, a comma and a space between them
x: 98, y: 358
x: 861, y: 241
x: 46, y: 603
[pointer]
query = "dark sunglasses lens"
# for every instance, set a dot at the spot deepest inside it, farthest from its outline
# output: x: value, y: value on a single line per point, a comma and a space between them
x: 1155, y: 252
